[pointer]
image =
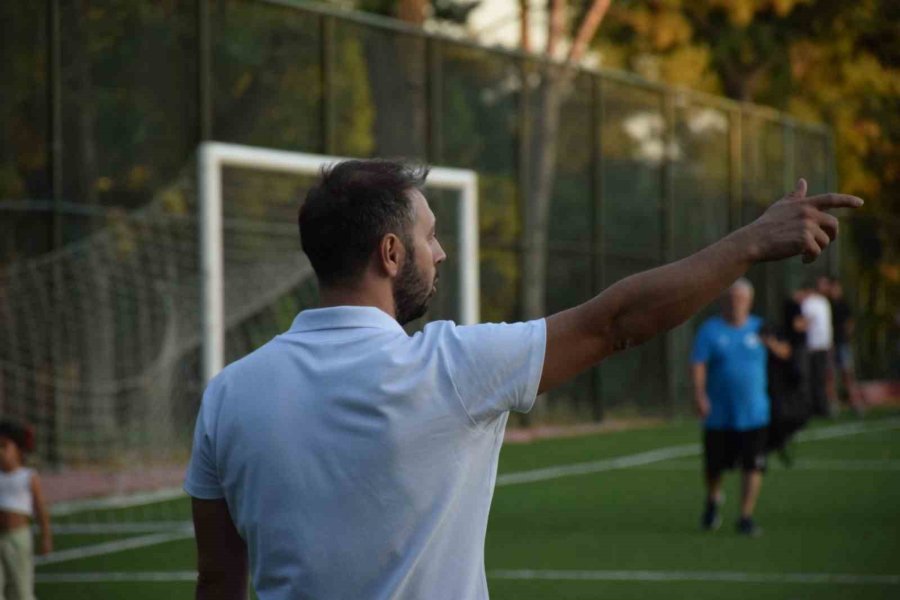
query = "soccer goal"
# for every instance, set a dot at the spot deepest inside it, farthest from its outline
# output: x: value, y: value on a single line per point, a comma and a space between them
x: 106, y: 343
x: 215, y: 157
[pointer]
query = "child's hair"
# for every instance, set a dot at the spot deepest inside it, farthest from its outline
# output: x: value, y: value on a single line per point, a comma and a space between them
x: 21, y: 435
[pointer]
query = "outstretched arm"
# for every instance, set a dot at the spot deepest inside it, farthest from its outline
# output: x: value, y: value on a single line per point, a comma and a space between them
x: 643, y: 305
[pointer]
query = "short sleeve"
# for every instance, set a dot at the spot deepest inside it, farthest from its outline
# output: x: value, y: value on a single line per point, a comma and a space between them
x: 702, y: 345
x: 496, y: 367
x: 202, y: 478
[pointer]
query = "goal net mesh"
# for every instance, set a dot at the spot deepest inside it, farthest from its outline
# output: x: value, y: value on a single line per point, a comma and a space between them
x: 101, y: 341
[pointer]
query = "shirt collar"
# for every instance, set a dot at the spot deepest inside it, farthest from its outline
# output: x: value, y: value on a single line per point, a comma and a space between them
x: 344, y: 317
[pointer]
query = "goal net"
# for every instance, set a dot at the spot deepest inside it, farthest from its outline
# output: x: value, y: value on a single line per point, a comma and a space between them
x: 106, y: 344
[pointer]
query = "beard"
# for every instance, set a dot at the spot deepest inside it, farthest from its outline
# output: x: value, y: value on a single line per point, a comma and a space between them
x: 411, y: 292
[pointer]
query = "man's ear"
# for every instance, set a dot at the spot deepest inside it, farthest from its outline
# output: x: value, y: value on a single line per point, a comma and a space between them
x: 391, y: 254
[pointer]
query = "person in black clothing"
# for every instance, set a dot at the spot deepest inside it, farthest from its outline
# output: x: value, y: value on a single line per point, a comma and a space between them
x: 842, y: 324
x: 788, y: 369
x: 816, y: 309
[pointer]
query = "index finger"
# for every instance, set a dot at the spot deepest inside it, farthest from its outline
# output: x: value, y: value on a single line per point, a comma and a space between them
x: 828, y: 201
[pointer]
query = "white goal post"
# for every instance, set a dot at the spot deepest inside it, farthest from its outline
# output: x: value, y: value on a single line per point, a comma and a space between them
x: 213, y: 156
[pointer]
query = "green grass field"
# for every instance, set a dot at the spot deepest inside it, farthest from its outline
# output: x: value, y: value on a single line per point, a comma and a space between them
x: 624, y: 525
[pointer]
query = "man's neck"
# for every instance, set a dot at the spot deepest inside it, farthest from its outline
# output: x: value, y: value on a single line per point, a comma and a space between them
x: 737, y: 321
x: 365, y: 296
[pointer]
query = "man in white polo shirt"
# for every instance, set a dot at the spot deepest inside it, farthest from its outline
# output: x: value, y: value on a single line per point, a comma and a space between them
x: 819, y: 340
x: 347, y: 459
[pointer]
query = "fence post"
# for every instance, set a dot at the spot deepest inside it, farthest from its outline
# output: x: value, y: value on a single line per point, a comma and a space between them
x: 54, y: 104
x: 435, y: 73
x: 523, y: 183
x: 736, y: 167
x: 831, y: 179
x: 667, y: 214
x: 327, y: 25
x: 787, y: 136
x: 204, y: 72
x: 597, y: 256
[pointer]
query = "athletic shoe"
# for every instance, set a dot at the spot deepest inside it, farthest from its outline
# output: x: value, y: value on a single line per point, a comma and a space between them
x: 711, y: 519
x: 746, y: 526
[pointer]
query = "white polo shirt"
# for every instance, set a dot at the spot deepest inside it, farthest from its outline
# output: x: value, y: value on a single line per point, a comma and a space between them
x: 359, y: 462
x: 817, y: 311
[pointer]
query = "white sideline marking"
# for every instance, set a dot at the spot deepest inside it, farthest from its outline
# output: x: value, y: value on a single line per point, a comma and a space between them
x: 117, y: 576
x: 699, y: 576
x: 597, y: 466
x: 828, y: 464
x: 846, y: 429
x: 112, y: 547
x: 669, y: 452
x: 113, y: 528
x: 621, y: 462
x: 810, y: 464
x: 67, y: 508
x: 530, y: 574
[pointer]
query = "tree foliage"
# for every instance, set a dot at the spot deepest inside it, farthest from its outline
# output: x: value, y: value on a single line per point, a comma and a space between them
x: 834, y: 62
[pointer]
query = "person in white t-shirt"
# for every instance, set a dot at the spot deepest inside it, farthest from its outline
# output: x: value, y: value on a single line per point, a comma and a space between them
x: 21, y: 499
x: 348, y: 459
x: 819, y: 341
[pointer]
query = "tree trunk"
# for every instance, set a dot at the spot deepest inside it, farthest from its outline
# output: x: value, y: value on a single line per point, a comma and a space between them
x: 412, y: 11
x: 541, y: 164
x: 541, y: 152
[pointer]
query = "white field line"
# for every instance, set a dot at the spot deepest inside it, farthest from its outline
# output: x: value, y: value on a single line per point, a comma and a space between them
x: 696, y: 576
x: 809, y: 464
x: 670, y: 452
x: 846, y: 429
x: 529, y: 574
x: 114, y: 528
x: 112, y: 547
x: 127, y: 501
x: 61, y: 509
x: 117, y: 576
x: 598, y: 466
x: 621, y: 462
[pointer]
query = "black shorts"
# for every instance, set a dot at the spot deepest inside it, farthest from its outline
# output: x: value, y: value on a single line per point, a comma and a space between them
x: 726, y: 448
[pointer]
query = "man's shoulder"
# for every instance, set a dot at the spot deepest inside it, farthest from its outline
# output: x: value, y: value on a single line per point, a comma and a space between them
x: 818, y: 301
x: 711, y: 324
x: 249, y: 365
x: 257, y: 358
x: 474, y: 331
x: 474, y: 344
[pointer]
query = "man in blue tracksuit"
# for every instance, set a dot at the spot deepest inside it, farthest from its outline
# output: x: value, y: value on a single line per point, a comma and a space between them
x: 728, y: 365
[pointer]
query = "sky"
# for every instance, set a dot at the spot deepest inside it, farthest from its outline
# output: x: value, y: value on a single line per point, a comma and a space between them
x: 496, y: 22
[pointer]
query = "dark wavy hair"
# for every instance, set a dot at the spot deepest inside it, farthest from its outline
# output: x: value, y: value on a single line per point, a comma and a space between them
x: 21, y: 435
x: 352, y: 207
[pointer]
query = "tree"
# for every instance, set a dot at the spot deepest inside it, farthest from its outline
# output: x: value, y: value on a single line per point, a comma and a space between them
x: 552, y: 83
x: 544, y: 87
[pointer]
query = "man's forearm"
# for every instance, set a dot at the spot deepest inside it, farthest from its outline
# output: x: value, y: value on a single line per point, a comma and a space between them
x: 698, y: 377
x: 646, y: 304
